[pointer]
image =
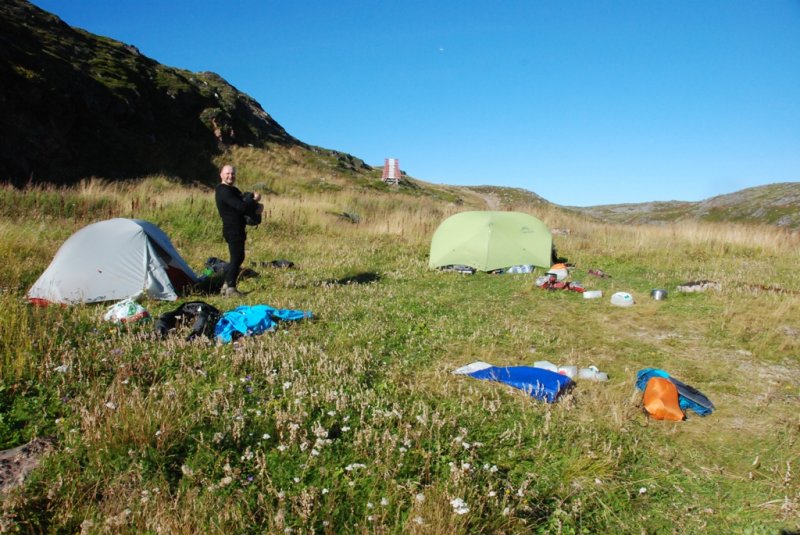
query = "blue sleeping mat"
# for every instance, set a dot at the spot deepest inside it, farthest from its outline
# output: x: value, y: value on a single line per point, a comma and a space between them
x: 539, y: 383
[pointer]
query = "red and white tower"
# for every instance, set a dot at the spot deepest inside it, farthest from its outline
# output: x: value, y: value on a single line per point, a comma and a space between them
x: 391, y: 171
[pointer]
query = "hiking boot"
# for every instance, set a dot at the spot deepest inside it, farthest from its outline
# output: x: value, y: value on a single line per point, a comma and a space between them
x: 231, y: 291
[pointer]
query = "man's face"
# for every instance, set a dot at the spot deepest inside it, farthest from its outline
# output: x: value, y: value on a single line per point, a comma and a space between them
x: 228, y: 175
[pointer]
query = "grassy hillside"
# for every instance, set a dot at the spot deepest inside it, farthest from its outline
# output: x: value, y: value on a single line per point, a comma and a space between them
x: 75, y: 105
x: 352, y: 422
x: 773, y: 204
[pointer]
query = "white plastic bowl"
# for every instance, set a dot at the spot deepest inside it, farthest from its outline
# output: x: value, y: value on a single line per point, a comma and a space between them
x: 622, y: 299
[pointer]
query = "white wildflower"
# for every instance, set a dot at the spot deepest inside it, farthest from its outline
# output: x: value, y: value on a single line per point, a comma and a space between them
x: 351, y: 467
x: 492, y: 494
x: 111, y: 405
x: 61, y: 369
x: 418, y: 520
x: 325, y: 491
x: 642, y: 490
x: 459, y: 507
x: 384, y: 502
x: 419, y: 498
x: 265, y: 436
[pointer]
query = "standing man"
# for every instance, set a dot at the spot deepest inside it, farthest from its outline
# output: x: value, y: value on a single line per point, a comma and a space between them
x: 232, y: 205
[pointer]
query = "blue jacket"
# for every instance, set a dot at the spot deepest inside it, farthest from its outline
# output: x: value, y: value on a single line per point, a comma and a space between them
x: 252, y: 320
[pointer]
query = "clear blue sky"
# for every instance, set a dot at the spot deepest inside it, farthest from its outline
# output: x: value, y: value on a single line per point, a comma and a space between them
x: 582, y: 102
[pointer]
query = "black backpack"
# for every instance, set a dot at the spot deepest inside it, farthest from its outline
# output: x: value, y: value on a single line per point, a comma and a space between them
x: 203, y: 315
x: 252, y: 216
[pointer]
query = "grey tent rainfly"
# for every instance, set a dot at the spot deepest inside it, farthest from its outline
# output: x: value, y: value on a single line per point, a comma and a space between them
x: 112, y: 260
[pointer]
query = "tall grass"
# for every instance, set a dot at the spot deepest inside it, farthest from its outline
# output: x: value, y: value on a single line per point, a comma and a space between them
x: 353, y: 422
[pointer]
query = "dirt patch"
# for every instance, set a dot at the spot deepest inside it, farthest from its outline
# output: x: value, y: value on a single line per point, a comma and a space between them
x: 492, y: 201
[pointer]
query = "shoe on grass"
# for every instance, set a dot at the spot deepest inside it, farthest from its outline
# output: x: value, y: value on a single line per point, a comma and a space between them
x: 231, y: 291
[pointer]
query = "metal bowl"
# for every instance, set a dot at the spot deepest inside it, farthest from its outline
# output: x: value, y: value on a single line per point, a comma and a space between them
x: 658, y: 294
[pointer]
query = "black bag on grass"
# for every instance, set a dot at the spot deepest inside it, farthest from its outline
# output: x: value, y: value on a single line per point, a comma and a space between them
x: 204, y: 318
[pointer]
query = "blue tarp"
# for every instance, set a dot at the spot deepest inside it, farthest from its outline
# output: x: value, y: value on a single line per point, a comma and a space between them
x: 252, y: 320
x: 539, y: 383
x: 688, y: 396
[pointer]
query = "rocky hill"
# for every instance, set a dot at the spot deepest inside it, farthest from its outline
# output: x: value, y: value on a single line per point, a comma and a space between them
x: 773, y: 204
x: 75, y: 105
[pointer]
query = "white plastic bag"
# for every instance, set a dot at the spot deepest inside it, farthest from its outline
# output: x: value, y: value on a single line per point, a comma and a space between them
x: 125, y: 311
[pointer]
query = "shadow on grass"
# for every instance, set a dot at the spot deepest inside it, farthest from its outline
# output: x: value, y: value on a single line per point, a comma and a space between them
x: 360, y: 278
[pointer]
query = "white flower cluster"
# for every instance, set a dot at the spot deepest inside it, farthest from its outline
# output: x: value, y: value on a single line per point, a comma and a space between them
x: 459, y: 506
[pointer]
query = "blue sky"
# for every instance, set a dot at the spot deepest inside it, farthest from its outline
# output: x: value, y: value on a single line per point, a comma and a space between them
x: 582, y: 102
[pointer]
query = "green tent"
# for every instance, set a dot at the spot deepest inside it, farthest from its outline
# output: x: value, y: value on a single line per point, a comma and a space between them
x: 487, y: 241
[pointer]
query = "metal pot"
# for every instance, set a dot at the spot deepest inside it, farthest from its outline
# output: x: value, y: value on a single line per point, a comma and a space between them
x: 658, y: 294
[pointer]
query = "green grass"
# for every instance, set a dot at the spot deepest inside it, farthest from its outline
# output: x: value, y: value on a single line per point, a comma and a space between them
x: 352, y: 422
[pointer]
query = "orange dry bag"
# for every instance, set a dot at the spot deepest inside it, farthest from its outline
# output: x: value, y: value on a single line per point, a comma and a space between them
x: 661, y: 400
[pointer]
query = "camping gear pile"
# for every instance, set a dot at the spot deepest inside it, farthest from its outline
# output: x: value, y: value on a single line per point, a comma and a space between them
x: 550, y: 281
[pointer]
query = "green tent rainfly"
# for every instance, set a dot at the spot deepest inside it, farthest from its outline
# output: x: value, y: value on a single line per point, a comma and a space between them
x: 488, y: 240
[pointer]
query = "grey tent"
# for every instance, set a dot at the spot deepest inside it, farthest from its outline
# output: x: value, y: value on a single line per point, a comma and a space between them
x: 112, y: 260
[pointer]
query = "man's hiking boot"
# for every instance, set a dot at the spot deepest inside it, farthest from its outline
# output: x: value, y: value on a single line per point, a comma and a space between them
x: 230, y: 291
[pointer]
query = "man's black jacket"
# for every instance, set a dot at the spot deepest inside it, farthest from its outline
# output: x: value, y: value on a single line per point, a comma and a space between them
x: 232, y: 206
